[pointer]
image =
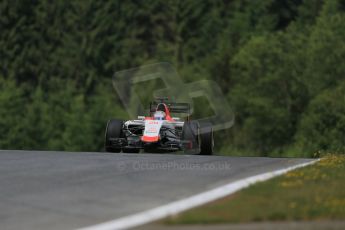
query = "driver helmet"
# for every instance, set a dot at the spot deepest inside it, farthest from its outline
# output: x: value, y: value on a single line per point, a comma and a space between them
x: 159, y: 115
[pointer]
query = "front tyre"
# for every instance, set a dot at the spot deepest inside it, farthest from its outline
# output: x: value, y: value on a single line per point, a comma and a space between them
x: 113, y: 130
x: 206, y: 139
x: 190, y: 137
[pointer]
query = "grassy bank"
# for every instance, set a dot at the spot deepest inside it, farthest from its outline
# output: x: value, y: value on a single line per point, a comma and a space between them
x: 316, y: 192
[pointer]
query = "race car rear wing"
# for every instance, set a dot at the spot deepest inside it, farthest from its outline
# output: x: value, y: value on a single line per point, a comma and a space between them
x: 172, y: 106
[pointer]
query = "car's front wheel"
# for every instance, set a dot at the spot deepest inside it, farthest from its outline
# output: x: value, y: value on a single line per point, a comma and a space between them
x: 190, y: 137
x: 113, y: 130
x: 206, y: 139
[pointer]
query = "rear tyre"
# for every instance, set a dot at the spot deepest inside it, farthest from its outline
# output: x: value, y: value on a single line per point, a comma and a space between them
x: 206, y: 139
x: 113, y: 130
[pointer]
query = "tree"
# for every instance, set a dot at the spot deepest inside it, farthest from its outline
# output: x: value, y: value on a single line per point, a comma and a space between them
x: 322, y: 127
x: 12, y: 114
x: 268, y: 94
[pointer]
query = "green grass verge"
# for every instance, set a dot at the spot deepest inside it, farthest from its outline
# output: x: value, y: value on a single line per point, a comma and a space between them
x: 312, y: 193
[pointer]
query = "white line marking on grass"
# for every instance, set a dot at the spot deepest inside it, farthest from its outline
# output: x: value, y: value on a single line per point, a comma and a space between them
x: 190, y: 202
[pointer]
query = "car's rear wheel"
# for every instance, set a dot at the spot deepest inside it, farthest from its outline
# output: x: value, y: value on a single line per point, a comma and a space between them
x: 206, y: 139
x: 113, y: 130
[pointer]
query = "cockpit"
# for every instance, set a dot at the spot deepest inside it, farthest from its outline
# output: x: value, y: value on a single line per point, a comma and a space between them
x: 159, y: 115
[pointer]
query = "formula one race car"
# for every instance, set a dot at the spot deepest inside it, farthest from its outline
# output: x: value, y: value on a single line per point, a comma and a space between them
x: 160, y: 132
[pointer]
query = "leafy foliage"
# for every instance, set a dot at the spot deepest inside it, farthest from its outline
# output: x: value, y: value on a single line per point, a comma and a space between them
x: 278, y: 62
x: 323, y: 124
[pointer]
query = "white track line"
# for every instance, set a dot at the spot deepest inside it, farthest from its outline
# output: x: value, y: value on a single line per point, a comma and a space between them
x: 190, y: 202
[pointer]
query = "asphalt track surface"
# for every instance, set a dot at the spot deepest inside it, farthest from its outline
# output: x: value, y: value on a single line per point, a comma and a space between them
x: 68, y: 190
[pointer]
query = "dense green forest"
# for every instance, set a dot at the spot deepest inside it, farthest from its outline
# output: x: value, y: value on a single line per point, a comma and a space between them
x: 279, y: 63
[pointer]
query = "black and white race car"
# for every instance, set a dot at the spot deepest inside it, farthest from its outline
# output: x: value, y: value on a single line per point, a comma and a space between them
x: 160, y: 132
